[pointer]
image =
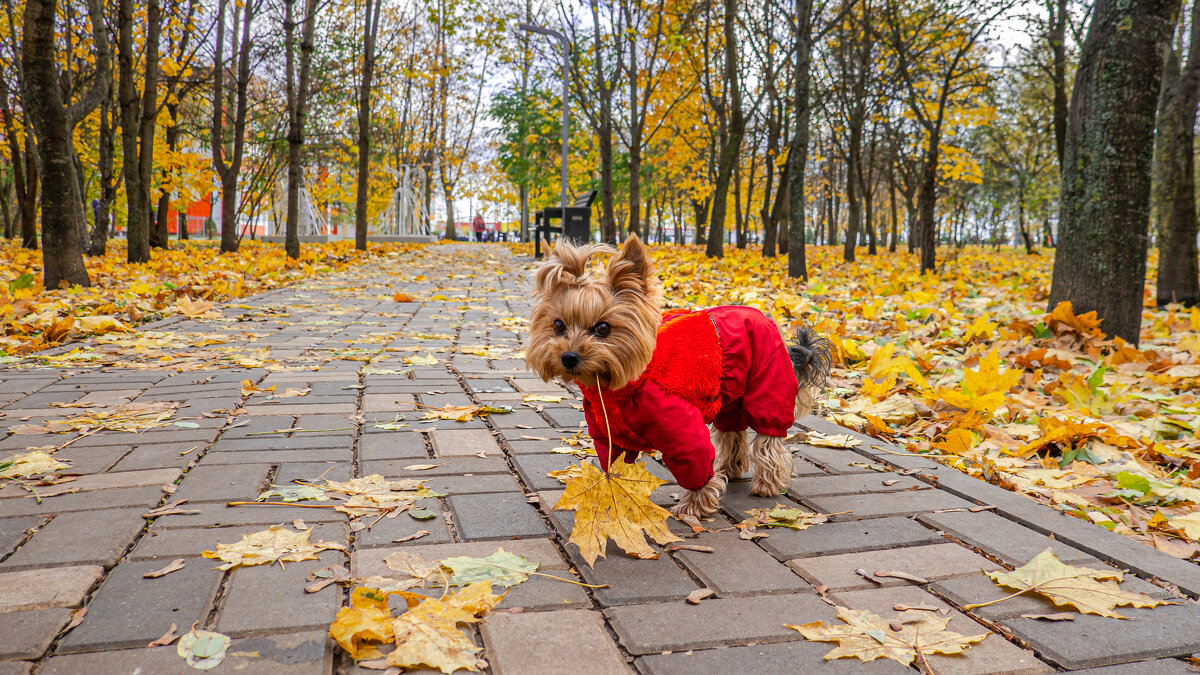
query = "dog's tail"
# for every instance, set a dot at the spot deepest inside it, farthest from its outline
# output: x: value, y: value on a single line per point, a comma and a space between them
x: 812, y: 358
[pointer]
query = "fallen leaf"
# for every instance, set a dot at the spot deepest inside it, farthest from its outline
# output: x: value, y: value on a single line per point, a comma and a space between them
x: 836, y: 441
x: 277, y: 544
x: 867, y: 637
x: 415, y: 535
x: 421, y: 467
x: 427, y: 360
x: 615, y: 506
x: 202, y: 649
x: 1087, y: 590
x: 428, y: 635
x: 543, y: 398
x: 1061, y: 616
x: 501, y: 568
x: 463, y: 413
x: 76, y: 618
x: 166, y: 639
x: 175, y: 566
x: 30, y: 464
x: 689, y: 547
x: 697, y: 595
x: 325, y: 576
x: 195, y: 309
x: 293, y: 493
x: 902, y: 575
x: 366, y: 620
x: 782, y: 515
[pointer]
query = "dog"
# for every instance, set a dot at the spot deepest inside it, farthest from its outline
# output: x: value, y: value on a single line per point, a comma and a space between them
x: 655, y: 381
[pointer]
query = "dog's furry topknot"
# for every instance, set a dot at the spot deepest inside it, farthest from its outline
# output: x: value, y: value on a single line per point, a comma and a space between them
x: 812, y: 358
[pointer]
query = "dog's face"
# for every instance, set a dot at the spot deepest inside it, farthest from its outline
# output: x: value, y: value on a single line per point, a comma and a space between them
x: 594, y: 329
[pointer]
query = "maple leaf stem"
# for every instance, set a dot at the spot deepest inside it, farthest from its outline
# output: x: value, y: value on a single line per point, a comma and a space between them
x: 992, y: 602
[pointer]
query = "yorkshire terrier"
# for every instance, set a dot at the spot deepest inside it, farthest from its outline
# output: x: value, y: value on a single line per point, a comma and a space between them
x: 654, y: 381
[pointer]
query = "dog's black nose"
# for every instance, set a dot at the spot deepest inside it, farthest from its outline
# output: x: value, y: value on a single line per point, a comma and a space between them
x: 570, y: 359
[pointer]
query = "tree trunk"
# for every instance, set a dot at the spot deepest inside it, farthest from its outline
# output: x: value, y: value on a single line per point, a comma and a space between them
x: 29, y: 202
x: 370, y: 30
x: 108, y: 185
x: 62, y: 254
x: 798, y: 152
x: 700, y: 213
x: 1058, y: 34
x: 892, y: 200
x: 160, y: 235
x: 298, y: 92
x: 733, y: 138
x: 927, y: 205
x: 1021, y: 226
x: 1178, y: 275
x: 1105, y: 205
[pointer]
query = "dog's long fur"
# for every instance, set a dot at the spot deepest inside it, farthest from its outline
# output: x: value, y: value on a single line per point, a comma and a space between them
x: 628, y: 297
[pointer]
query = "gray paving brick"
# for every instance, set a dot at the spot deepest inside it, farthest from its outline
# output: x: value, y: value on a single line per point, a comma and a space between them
x: 933, y: 562
x: 80, y: 537
x: 533, y: 469
x: 15, y: 667
x: 855, y: 483
x: 501, y: 515
x: 129, y: 610
x: 739, y: 567
x: 82, y: 501
x: 106, y: 481
x: 28, y: 634
x: 1011, y: 543
x: 14, y: 530
x: 1173, y: 630
x: 464, y: 443
x: 1155, y: 667
x: 369, y: 562
x: 396, y: 445
x: 265, y: 599
x: 849, y: 537
x: 342, y: 455
x: 46, y: 588
x: 532, y: 644
x: 308, y: 653
x: 646, y: 629
x: 479, y: 483
x: 156, y: 456
x: 769, y: 659
x: 879, y: 505
x: 223, y: 482
x: 443, y: 466
x: 218, y: 515
x: 833, y: 460
x: 993, y: 656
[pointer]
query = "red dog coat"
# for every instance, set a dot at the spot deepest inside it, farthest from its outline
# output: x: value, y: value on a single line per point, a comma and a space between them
x: 727, y: 366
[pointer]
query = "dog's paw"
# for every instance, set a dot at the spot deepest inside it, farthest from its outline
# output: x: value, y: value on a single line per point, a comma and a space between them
x: 702, y: 502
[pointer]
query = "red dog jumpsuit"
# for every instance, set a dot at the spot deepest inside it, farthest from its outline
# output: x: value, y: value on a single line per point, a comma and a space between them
x: 726, y: 365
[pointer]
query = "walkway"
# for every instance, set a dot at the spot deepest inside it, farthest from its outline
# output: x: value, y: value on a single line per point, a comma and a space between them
x: 356, y: 345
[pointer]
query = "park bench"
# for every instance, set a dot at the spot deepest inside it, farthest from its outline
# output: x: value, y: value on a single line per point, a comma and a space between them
x: 576, y: 222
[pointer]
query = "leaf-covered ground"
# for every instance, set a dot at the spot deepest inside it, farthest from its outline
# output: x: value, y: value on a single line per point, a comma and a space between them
x: 184, y: 279
x: 969, y: 367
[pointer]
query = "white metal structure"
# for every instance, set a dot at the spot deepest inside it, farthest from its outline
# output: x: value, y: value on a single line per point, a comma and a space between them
x: 311, y: 222
x: 405, y: 214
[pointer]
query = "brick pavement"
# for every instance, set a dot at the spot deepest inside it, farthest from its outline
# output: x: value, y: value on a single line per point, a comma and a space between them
x: 345, y: 340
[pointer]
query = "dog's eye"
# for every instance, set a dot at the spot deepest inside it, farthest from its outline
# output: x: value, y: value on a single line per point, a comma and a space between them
x: 602, y: 329
x: 559, y: 327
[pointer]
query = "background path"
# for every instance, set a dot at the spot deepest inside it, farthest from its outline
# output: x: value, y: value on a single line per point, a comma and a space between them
x: 350, y: 340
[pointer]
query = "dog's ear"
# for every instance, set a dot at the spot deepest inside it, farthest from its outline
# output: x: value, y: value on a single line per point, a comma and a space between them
x: 567, y: 264
x: 631, y: 269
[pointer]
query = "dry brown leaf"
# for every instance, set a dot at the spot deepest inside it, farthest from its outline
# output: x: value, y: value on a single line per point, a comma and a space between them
x: 1087, y: 590
x: 615, y: 506
x: 894, y: 574
x: 415, y: 535
x: 166, y: 639
x: 277, y: 544
x: 175, y: 566
x: 697, y: 595
x: 867, y: 637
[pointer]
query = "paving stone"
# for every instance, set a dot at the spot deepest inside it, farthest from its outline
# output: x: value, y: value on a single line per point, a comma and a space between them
x: 855, y: 483
x: 501, y: 515
x: 278, y: 442
x: 80, y: 537
x: 532, y: 644
x: 933, y: 562
x: 533, y: 469
x: 130, y: 610
x: 1156, y: 667
x: 849, y: 537
x: 223, y: 482
x: 770, y: 659
x: 879, y: 505
x: 16, y: 668
x: 168, y: 544
x: 738, y: 567
x: 308, y: 653
x: 521, y: 417
x: 14, y: 530
x: 566, y: 418
x: 540, y: 593
x: 443, y: 466
x: 218, y: 515
x: 977, y: 588
x: 386, y: 531
x: 487, y: 482
x: 300, y: 409
x: 369, y: 562
x: 289, y: 472
x: 157, y: 456
x: 993, y: 656
x: 95, y: 460
x: 464, y: 443
x: 519, y: 446
x: 1011, y: 543
x: 28, y: 634
x: 106, y: 481
x: 265, y: 599
x: 46, y: 588
x: 646, y: 629
x: 833, y: 460
x: 1172, y: 630
x: 397, y: 445
x: 279, y: 456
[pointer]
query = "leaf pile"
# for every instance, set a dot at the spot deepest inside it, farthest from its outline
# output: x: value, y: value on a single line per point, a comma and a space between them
x: 125, y: 417
x: 780, y: 515
x: 186, y: 279
x: 967, y: 366
x: 615, y: 506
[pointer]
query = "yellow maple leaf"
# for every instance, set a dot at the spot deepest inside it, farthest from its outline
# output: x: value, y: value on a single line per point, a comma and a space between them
x: 367, y: 619
x: 615, y: 506
x: 866, y: 636
x: 29, y: 464
x: 277, y: 544
x: 1088, y: 590
x: 1063, y: 320
x: 195, y: 309
x: 428, y: 635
